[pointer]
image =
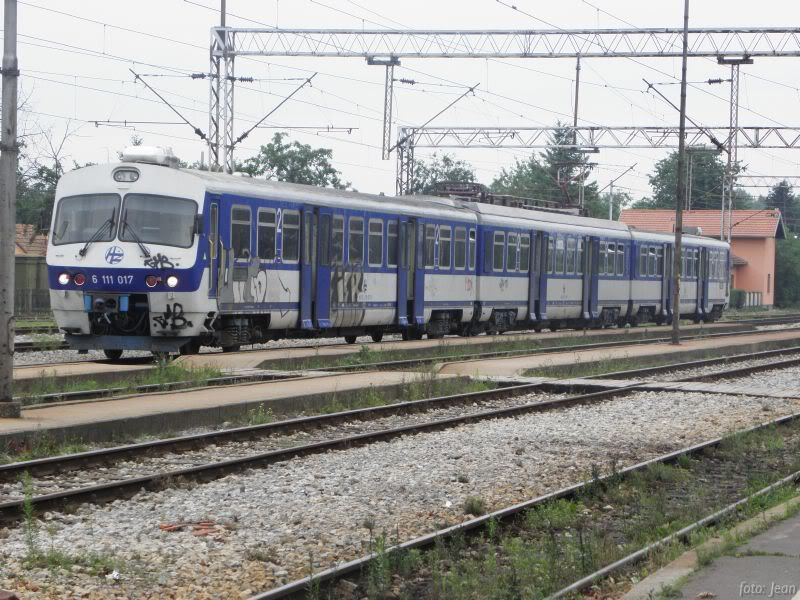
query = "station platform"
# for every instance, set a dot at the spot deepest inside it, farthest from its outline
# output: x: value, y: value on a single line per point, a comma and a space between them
x: 765, y: 566
x: 695, y: 348
x: 120, y: 418
x: 249, y: 359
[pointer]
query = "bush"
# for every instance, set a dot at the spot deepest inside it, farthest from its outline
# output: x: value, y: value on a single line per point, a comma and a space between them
x: 787, y: 272
x: 737, y: 298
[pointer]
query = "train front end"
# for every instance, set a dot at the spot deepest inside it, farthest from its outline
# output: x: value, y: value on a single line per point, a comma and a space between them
x: 124, y: 258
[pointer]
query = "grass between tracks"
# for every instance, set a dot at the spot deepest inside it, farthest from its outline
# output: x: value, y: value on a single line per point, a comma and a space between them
x: 548, y: 547
x: 162, y: 373
x: 417, y: 387
x: 448, y: 348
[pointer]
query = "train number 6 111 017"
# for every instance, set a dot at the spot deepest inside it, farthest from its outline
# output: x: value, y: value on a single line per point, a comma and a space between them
x: 111, y: 279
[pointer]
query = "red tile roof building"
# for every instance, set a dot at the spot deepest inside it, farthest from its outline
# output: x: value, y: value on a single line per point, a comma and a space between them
x: 752, y: 241
x: 30, y: 241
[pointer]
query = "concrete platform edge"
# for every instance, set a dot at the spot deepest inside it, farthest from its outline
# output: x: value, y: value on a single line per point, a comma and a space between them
x: 687, y: 563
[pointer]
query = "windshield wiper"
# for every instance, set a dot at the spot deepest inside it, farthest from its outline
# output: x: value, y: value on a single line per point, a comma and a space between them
x: 96, y: 235
x: 136, y: 237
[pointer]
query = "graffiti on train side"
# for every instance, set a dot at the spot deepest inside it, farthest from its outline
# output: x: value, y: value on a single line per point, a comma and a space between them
x: 173, y: 318
x: 348, y: 294
x: 248, y: 284
x: 158, y: 261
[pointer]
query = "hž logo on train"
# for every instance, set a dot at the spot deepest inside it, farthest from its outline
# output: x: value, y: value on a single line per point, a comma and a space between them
x: 114, y: 255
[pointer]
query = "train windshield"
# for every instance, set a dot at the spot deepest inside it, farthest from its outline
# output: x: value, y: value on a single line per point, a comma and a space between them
x: 156, y: 219
x: 90, y: 217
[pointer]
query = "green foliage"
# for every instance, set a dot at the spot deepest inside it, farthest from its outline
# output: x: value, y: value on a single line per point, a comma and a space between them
x: 737, y: 298
x: 552, y: 176
x: 787, y: 272
x: 440, y: 168
x: 708, y: 172
x: 782, y: 197
x: 294, y: 163
x: 597, y: 206
x: 473, y: 505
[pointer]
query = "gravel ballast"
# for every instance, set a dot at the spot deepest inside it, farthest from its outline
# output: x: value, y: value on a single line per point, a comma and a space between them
x: 268, y: 526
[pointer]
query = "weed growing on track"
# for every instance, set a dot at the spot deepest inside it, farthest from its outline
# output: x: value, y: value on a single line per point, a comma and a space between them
x: 475, y: 506
x: 260, y: 415
x: 556, y: 543
x: 162, y: 374
x: 39, y: 445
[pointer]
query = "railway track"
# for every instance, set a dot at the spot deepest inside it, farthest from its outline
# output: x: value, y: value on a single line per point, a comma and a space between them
x: 251, y: 439
x: 326, y: 579
x: 82, y: 395
x: 34, y: 346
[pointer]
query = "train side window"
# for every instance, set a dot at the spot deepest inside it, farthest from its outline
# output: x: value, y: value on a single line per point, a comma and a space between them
x: 325, y: 240
x: 499, y: 250
x: 337, y: 240
x: 445, y: 246
x: 611, y: 258
x: 620, y: 259
x: 524, y: 253
x: 601, y: 263
x: 240, y: 231
x: 291, y: 236
x: 460, y: 247
x: 375, y: 243
x: 660, y: 261
x: 651, y: 262
x: 355, y: 241
x: 266, y: 233
x: 571, y: 245
x: 473, y: 246
x: 643, y: 261
x: 391, y: 243
x: 511, y: 260
x: 551, y: 254
x: 430, y: 245
x: 579, y: 258
x: 560, y: 255
x: 213, y: 231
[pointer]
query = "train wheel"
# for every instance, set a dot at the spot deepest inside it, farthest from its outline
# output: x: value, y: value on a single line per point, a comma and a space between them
x: 377, y: 337
x: 235, y: 348
x: 190, y: 348
x: 161, y: 357
x: 350, y: 339
x: 113, y: 354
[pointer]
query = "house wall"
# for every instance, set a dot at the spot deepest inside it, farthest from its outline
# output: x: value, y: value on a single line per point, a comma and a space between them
x: 758, y: 275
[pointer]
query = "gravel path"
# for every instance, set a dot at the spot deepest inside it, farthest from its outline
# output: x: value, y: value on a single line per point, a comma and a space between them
x: 238, y: 449
x: 268, y: 525
x: 787, y: 377
x: 711, y: 369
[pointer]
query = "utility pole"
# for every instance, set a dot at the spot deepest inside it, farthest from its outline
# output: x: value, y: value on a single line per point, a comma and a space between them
x: 575, y: 125
x: 681, y: 200
x: 8, y: 210
x: 611, y: 201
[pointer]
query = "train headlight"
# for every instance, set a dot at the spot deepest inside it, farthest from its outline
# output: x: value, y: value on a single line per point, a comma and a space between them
x: 63, y: 278
x: 151, y: 281
x: 79, y: 279
x: 172, y: 281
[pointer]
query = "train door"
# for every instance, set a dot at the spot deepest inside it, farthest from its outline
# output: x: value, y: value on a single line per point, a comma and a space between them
x: 330, y: 226
x: 591, y: 275
x: 403, y: 274
x: 534, y: 275
x: 418, y: 301
x: 702, y: 282
x: 586, y: 287
x: 666, y: 283
x: 213, y: 246
x: 307, y: 269
x: 542, y: 238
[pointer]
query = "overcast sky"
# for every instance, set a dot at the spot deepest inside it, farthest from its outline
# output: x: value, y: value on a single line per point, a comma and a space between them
x: 74, y: 57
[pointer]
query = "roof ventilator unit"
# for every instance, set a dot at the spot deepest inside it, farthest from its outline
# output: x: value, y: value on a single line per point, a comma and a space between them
x: 152, y: 155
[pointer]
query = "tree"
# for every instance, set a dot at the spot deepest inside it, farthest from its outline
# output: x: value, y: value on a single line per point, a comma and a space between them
x: 294, y: 163
x: 597, y: 205
x: 787, y: 272
x: 782, y: 197
x: 440, y: 168
x: 708, y: 173
x: 552, y: 176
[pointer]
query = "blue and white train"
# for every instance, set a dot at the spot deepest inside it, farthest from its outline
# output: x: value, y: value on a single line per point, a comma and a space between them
x: 147, y: 256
